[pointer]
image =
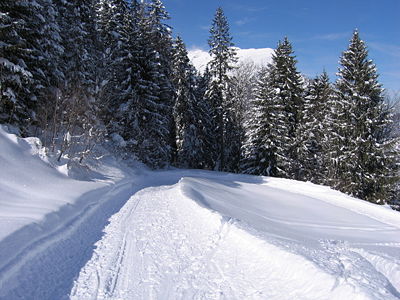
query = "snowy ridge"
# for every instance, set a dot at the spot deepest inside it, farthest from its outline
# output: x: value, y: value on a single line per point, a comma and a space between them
x: 260, y: 57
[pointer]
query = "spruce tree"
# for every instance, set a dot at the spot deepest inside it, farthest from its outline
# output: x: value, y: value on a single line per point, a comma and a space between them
x: 118, y: 24
x: 277, y: 111
x: 259, y: 150
x: 155, y: 136
x: 363, y: 151
x: 188, y: 112
x: 314, y: 129
x: 223, y: 57
x: 241, y: 94
x: 28, y: 59
x: 15, y: 75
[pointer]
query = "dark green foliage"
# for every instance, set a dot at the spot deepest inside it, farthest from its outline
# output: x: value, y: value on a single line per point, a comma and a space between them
x: 363, y: 154
x: 29, y: 45
x: 189, y: 113
x: 223, y: 56
x: 277, y: 113
x: 314, y: 130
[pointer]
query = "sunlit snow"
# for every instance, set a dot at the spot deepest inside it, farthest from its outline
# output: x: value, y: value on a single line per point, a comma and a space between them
x: 185, y: 234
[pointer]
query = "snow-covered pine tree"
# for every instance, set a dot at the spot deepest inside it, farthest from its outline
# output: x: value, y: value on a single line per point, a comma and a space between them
x: 28, y: 59
x: 223, y: 56
x: 111, y: 19
x: 314, y: 129
x: 259, y: 149
x: 205, y: 115
x: 119, y: 27
x: 73, y: 118
x: 188, y: 112
x: 241, y: 93
x: 278, y: 108
x: 363, y: 152
x: 15, y: 75
x: 156, y: 137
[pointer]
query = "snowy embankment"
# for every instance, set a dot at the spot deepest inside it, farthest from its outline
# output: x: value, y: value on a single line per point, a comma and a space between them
x: 43, y: 215
x: 186, y: 234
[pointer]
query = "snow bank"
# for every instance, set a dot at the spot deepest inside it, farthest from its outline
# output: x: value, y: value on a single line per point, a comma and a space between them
x: 30, y: 189
x: 35, y: 198
x: 49, y: 221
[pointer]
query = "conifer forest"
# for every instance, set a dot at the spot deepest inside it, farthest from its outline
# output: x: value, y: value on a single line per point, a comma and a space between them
x: 78, y: 74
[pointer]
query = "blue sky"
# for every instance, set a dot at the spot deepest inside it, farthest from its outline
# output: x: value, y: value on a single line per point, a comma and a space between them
x: 319, y: 29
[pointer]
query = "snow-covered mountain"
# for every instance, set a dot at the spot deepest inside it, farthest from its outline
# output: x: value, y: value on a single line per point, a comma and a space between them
x: 185, y: 234
x: 259, y: 57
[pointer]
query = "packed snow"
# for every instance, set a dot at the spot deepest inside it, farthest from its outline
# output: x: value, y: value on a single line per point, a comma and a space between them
x: 185, y: 234
x: 260, y: 57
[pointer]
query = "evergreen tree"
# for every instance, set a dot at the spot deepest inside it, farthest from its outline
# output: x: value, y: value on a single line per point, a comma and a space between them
x: 14, y: 73
x: 259, y: 150
x: 223, y: 56
x: 277, y: 112
x: 118, y: 23
x: 71, y: 114
x: 28, y: 59
x: 314, y: 129
x: 363, y: 153
x: 205, y: 118
x: 156, y: 137
x: 188, y: 112
x: 241, y: 93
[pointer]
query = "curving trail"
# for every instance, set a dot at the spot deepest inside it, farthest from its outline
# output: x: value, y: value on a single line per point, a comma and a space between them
x: 164, y: 244
x: 207, y: 235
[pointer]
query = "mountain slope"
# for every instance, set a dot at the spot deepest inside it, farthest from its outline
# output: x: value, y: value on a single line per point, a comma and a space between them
x: 260, y: 57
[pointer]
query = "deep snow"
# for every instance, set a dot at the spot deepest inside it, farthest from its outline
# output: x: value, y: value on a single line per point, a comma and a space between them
x: 185, y: 234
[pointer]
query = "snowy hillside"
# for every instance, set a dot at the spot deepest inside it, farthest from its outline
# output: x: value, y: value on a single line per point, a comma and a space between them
x: 259, y: 57
x: 186, y: 234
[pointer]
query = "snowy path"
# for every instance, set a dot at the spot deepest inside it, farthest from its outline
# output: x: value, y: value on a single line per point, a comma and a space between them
x: 164, y: 245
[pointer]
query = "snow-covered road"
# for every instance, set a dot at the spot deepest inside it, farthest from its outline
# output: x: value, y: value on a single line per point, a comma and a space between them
x: 166, y: 243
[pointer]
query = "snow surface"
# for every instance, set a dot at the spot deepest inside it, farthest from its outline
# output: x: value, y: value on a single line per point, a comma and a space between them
x: 260, y: 57
x: 186, y: 234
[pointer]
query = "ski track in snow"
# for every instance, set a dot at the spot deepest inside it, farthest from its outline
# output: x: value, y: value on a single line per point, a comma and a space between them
x: 45, y: 268
x: 163, y: 245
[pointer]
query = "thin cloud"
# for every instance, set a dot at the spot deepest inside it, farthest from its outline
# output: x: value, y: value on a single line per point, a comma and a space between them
x: 244, y: 21
x: 332, y: 36
x: 205, y: 27
x: 391, y: 50
x: 254, y: 35
x: 250, y: 9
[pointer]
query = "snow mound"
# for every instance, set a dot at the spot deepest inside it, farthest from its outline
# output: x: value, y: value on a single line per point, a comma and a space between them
x: 260, y: 57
